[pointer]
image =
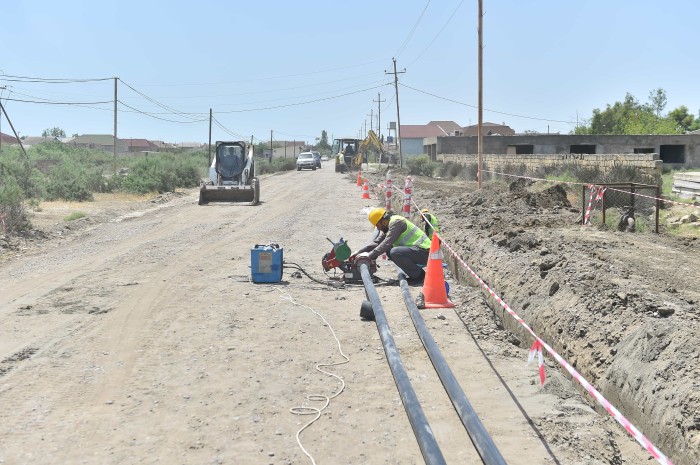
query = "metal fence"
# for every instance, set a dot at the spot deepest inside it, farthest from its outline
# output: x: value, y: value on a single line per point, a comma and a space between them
x: 614, y: 204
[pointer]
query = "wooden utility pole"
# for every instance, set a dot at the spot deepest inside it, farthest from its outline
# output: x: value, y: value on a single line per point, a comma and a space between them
x: 270, y: 145
x: 398, y: 112
x: 210, y: 118
x: 371, y: 118
x: 114, y: 145
x: 379, y: 116
x: 13, y: 130
x: 480, y: 136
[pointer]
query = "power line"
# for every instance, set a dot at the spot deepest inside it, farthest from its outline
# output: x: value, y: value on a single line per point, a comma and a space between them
x: 150, y: 115
x: 438, y: 34
x: 13, y: 78
x: 154, y: 101
x: 486, y: 109
x: 413, y: 30
x: 302, y: 103
x: 50, y: 102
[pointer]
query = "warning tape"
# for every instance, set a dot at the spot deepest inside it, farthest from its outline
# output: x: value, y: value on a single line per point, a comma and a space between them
x: 539, y: 344
x: 599, y: 191
x: 537, y: 347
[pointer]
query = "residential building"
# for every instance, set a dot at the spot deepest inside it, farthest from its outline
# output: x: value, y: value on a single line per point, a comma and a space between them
x: 488, y: 129
x: 99, y: 141
x: 412, y: 135
x: 8, y: 139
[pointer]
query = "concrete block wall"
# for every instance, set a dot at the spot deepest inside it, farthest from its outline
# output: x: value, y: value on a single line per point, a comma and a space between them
x: 648, y: 163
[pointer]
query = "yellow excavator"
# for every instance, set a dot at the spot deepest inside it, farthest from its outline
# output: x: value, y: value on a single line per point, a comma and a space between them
x: 371, y: 144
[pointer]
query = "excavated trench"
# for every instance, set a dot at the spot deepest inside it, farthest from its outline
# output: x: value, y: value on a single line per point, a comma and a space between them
x: 622, y: 308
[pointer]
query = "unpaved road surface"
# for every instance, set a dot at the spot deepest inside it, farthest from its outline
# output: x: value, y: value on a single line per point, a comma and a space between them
x: 139, y: 338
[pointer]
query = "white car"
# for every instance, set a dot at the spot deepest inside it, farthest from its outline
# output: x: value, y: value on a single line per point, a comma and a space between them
x: 324, y: 158
x: 306, y: 160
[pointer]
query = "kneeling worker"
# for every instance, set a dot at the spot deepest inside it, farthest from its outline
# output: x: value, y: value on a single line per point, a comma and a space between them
x: 402, y: 241
x: 431, y: 224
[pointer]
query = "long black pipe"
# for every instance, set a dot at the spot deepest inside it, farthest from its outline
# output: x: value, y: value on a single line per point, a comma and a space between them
x: 489, y: 453
x: 424, y: 434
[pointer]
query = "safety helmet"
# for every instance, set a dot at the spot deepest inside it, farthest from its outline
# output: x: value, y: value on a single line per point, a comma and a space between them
x: 425, y: 210
x: 375, y: 215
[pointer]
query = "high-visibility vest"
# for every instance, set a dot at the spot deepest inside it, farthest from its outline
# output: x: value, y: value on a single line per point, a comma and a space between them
x: 432, y: 226
x: 412, y: 236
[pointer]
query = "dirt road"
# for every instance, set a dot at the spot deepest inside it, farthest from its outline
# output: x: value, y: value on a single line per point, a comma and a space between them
x: 142, y: 340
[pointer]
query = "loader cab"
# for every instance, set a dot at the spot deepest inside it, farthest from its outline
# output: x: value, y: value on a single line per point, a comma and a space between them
x: 348, y: 148
x: 230, y: 161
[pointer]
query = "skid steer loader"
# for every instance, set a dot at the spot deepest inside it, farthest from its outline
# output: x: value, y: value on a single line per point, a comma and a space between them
x: 231, y: 176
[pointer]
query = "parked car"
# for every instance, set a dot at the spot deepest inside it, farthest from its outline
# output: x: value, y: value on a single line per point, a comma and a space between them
x: 324, y: 158
x: 317, y: 158
x: 306, y: 160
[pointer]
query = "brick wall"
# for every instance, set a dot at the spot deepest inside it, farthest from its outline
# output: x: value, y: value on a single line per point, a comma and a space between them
x: 648, y: 163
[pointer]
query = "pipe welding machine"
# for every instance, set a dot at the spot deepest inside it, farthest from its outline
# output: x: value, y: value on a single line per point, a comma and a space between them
x: 339, y: 257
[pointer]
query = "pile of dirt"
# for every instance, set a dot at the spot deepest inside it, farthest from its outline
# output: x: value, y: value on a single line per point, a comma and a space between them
x: 622, y: 308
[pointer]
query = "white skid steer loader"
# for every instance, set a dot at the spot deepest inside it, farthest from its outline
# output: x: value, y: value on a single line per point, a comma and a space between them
x: 231, y: 176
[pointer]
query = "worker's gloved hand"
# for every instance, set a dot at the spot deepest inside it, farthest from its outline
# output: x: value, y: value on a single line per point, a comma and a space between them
x: 362, y: 255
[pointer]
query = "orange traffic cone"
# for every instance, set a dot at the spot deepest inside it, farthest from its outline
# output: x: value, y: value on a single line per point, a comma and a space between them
x: 365, y: 190
x: 359, y: 178
x: 434, y: 290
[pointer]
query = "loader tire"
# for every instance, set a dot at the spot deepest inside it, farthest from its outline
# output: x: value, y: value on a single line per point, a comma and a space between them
x: 256, y: 191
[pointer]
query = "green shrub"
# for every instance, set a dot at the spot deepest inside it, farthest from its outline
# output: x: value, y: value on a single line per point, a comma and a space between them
x: 75, y: 216
x: 158, y: 173
x: 69, y: 181
x: 421, y: 166
x: 263, y: 165
x: 13, y: 217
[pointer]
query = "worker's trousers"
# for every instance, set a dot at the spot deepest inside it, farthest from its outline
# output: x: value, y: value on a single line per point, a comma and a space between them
x: 408, y: 259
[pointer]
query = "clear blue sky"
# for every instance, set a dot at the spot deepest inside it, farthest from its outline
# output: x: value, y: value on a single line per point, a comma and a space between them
x: 301, y: 67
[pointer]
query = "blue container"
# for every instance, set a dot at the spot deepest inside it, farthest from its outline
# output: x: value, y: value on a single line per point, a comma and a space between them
x: 266, y: 263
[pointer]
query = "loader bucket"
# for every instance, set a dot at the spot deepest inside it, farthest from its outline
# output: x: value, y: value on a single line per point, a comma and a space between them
x: 231, y: 194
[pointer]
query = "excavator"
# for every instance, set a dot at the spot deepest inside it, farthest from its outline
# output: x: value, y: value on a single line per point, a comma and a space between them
x: 371, y: 143
x: 231, y: 176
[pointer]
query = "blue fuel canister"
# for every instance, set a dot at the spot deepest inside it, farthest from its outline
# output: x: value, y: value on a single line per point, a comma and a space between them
x: 266, y: 263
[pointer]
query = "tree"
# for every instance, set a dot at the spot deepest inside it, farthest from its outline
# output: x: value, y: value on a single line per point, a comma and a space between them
x: 658, y: 100
x: 683, y: 118
x: 323, y: 143
x: 54, y: 132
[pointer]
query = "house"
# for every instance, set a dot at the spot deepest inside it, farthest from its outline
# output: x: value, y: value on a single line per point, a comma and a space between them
x: 7, y: 139
x: 99, y: 141
x: 285, y: 149
x: 488, y: 129
x: 138, y: 145
x: 35, y: 140
x: 412, y: 135
x: 191, y: 145
x: 674, y: 150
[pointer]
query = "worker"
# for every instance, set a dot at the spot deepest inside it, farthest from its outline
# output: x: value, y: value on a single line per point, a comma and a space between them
x: 403, y: 242
x: 430, y: 222
x: 349, y: 151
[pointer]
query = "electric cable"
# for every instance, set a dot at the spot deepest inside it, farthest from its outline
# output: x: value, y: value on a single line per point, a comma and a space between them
x: 316, y: 411
x: 160, y: 118
x: 14, y: 78
x: 413, y: 30
x: 486, y: 109
x: 437, y: 35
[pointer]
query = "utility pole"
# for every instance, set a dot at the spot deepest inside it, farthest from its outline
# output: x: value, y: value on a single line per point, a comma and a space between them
x: 366, y: 128
x: 270, y: 145
x: 2, y: 89
x: 379, y: 115
x: 398, y: 112
x: 13, y: 130
x: 114, y: 147
x: 210, y: 118
x: 480, y: 137
x: 371, y: 118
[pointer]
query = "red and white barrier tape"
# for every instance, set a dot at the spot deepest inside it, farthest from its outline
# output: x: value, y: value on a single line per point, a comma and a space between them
x: 539, y: 344
x: 599, y: 192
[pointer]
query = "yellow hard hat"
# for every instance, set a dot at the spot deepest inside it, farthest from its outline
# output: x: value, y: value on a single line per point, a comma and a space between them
x: 425, y: 210
x: 375, y: 215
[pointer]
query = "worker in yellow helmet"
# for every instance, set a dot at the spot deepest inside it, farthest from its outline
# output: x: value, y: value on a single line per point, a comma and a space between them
x: 430, y: 222
x: 403, y: 242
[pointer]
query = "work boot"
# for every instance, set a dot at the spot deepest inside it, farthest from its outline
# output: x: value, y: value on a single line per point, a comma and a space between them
x: 417, y: 281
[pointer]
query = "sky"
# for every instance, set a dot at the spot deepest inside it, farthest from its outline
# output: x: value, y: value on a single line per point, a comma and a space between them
x: 298, y: 68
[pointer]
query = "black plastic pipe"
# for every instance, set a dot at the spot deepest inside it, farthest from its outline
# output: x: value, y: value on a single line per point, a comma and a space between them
x: 424, y: 434
x: 489, y: 453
